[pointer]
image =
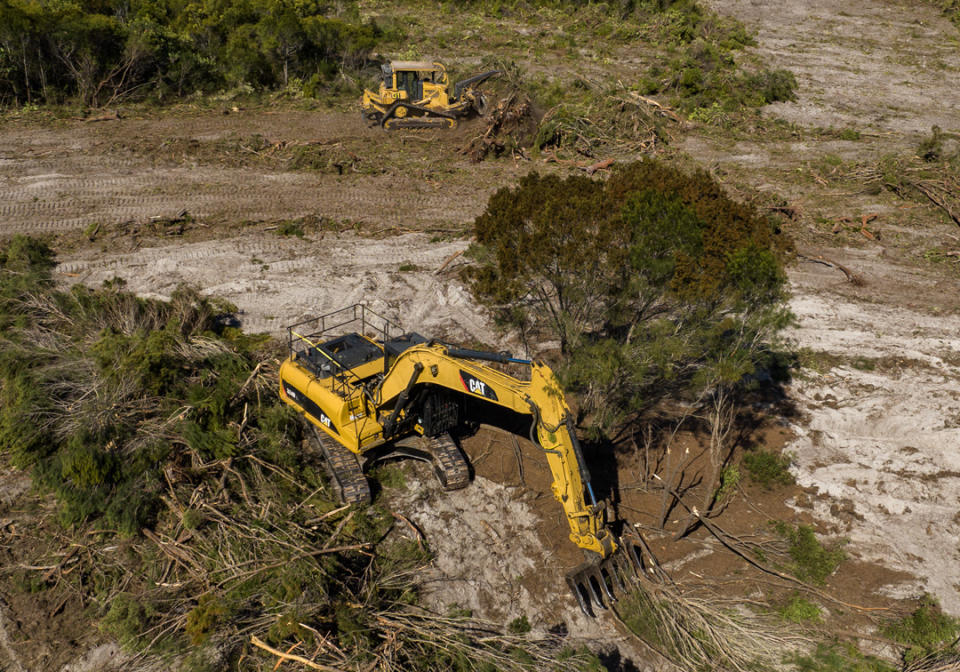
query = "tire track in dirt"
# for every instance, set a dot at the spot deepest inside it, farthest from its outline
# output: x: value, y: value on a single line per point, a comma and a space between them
x: 64, y: 203
x: 888, y: 64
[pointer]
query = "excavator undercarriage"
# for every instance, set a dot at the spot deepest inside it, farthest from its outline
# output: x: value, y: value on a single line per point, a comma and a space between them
x: 370, y: 392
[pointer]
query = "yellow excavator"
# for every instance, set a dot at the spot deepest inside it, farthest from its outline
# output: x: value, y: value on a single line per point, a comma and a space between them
x: 416, y: 94
x: 371, y: 391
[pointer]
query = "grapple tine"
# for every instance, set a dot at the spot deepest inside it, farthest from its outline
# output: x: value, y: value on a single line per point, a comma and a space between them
x: 636, y: 559
x: 605, y: 580
x: 613, y: 569
x: 578, y: 592
x: 592, y: 581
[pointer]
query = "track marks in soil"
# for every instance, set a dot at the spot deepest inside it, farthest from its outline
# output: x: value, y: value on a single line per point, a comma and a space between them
x: 276, y: 281
x: 71, y: 175
x: 883, y: 438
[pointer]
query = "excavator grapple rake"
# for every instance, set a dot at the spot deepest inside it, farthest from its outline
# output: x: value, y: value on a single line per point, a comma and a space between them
x: 596, y: 584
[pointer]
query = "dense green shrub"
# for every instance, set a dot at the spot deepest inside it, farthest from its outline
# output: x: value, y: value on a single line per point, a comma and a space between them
x: 768, y: 469
x: 91, y: 379
x: 109, y: 50
x: 812, y: 561
x: 654, y: 282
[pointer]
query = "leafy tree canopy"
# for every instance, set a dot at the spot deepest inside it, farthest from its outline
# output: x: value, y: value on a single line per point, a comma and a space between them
x: 654, y: 282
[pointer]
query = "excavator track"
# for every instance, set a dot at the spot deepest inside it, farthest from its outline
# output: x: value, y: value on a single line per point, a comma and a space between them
x: 344, y: 470
x: 448, y: 462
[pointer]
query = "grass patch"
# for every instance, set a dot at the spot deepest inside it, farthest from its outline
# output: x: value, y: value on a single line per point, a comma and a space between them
x: 926, y: 631
x: 837, y: 657
x: 389, y: 476
x: 290, y: 228
x: 768, y: 469
x: 800, y: 610
x: 812, y: 561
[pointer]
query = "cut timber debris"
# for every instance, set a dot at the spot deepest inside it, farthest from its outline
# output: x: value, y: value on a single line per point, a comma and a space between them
x: 260, y: 644
x: 589, y: 167
x: 510, y: 127
x: 108, y: 116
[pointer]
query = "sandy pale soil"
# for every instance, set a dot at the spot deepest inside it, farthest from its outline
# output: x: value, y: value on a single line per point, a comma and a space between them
x: 881, y: 430
x: 276, y: 281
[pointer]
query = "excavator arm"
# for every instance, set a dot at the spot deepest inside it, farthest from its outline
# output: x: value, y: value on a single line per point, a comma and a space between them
x: 541, y: 398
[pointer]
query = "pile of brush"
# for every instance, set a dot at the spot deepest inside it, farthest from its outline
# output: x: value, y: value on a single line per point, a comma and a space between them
x: 510, y: 126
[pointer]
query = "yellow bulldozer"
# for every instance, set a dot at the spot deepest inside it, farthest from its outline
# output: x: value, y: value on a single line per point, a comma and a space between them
x: 416, y: 94
x: 371, y: 391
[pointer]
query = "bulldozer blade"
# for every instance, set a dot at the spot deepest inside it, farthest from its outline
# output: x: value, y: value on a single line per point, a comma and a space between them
x: 595, y: 585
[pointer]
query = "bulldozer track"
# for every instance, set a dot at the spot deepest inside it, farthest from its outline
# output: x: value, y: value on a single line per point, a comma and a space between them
x: 65, y: 203
x: 344, y: 470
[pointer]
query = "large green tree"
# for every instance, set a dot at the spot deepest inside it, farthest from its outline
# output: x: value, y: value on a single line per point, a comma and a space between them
x: 654, y: 284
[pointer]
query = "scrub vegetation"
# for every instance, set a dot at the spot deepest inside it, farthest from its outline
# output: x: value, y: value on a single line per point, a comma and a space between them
x: 157, y: 428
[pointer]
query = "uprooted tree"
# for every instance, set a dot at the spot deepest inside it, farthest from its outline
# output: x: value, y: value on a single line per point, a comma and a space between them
x: 655, y: 285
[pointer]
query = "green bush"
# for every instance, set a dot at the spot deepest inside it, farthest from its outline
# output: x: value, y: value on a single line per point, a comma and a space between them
x: 811, y: 560
x: 648, y: 281
x: 768, y: 469
x: 203, y: 618
x: 837, y: 657
x: 127, y: 619
x: 519, y: 625
x: 799, y: 610
x: 926, y: 631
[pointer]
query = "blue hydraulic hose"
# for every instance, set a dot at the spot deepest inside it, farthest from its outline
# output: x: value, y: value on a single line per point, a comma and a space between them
x: 593, y: 499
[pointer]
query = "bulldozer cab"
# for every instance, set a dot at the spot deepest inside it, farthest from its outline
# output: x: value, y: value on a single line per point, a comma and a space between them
x: 410, y: 76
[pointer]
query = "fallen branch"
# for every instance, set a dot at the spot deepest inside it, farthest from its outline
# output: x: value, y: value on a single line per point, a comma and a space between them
x: 724, y: 538
x: 257, y: 642
x: 447, y: 262
x: 109, y: 116
x: 599, y: 165
x: 852, y: 277
x: 662, y: 109
x: 936, y: 200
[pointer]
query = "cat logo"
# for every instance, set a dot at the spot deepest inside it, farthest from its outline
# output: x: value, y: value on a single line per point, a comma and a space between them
x: 476, y: 386
x: 309, y: 406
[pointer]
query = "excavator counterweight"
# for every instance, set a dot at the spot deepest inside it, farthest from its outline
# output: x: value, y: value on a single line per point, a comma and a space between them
x: 371, y: 391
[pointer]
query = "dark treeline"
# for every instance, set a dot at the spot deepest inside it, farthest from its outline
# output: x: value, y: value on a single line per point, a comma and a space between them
x: 102, y: 51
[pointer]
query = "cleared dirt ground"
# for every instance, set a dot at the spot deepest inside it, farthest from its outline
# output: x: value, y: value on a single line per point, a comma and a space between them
x: 877, y: 428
